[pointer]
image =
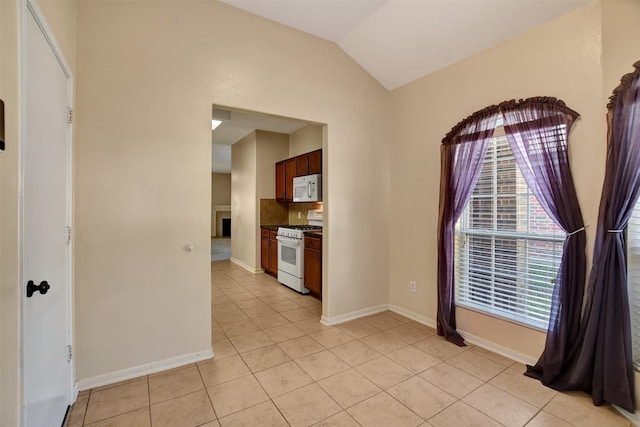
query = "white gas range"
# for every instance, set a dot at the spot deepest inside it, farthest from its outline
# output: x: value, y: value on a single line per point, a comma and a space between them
x: 291, y: 251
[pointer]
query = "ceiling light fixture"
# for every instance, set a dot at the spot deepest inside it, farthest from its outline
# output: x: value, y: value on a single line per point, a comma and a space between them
x: 215, y: 123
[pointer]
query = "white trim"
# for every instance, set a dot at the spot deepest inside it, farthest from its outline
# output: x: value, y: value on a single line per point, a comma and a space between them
x: 633, y: 417
x: 329, y: 321
x: 245, y: 266
x: 413, y: 316
x: 498, y: 349
x: 470, y: 338
x: 146, y: 369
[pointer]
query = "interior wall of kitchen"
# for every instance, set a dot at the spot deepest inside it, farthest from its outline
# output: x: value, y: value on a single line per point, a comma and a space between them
x: 60, y: 16
x: 243, y: 199
x: 304, y: 140
x: 149, y: 75
x: 220, y: 196
x: 561, y: 59
x: 271, y: 147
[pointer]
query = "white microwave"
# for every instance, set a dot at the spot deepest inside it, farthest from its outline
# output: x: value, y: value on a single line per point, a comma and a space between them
x: 307, y: 188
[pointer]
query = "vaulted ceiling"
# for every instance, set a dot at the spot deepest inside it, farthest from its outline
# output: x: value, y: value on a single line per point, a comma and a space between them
x: 398, y: 41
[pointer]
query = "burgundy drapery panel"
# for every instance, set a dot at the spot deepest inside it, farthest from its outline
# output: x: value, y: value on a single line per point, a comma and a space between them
x: 603, y: 364
x: 461, y: 154
x: 537, y: 130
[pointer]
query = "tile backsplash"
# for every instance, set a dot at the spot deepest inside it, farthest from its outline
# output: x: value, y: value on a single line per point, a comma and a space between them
x: 273, y: 213
x: 277, y: 213
x: 302, y: 208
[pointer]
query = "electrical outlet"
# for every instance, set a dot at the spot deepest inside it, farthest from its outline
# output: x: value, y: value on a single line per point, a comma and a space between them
x: 412, y: 286
x: 299, y: 215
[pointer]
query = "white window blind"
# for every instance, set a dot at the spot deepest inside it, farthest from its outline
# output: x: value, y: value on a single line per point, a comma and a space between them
x: 507, y: 249
x: 633, y: 281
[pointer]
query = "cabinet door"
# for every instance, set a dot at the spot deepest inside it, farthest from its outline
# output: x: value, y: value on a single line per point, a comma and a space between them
x: 289, y: 173
x: 273, y: 250
x: 264, y: 253
x: 280, y: 181
x: 315, y: 162
x: 313, y: 271
x: 302, y: 165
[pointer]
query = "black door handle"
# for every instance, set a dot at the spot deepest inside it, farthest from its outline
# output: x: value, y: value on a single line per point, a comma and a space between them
x: 43, y: 287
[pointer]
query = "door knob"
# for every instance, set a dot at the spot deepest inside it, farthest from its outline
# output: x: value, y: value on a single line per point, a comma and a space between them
x: 43, y: 287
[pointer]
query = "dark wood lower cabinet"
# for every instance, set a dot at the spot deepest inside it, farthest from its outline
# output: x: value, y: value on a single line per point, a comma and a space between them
x: 273, y: 252
x: 313, y: 265
x: 269, y: 251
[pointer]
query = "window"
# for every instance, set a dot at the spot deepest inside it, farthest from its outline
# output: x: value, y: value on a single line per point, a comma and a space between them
x: 633, y: 281
x: 507, y: 249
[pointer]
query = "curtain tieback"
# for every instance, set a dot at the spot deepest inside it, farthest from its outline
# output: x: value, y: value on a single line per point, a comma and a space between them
x: 574, y: 232
x: 615, y: 231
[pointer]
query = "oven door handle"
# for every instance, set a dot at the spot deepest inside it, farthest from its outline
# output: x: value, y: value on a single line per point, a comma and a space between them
x: 288, y: 241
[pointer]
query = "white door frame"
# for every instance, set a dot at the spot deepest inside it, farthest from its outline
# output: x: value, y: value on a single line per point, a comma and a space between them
x: 27, y: 7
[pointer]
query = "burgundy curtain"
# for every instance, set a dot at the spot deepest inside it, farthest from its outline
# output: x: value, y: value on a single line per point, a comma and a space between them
x: 603, y: 365
x: 537, y: 130
x: 462, y: 153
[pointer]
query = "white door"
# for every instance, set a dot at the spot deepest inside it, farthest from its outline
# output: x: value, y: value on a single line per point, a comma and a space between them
x: 46, y: 319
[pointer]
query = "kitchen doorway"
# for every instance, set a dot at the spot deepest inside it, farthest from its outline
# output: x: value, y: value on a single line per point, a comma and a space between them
x: 247, y: 145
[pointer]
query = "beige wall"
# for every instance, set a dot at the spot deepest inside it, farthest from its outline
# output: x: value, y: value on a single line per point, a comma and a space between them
x: 10, y: 387
x: 271, y: 147
x: 561, y: 59
x: 243, y: 200
x: 307, y: 139
x: 220, y: 196
x: 149, y: 75
x: 220, y: 189
x: 61, y: 18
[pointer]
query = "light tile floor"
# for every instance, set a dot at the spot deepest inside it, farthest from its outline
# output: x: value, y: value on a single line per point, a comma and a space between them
x: 276, y: 365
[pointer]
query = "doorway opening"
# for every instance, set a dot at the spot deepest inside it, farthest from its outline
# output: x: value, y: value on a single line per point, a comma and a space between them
x: 247, y: 146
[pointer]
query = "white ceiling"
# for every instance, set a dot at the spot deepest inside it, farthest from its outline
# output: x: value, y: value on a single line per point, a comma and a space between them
x: 238, y: 124
x: 398, y: 41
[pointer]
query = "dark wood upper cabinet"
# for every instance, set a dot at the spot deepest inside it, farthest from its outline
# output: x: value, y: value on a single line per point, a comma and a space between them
x: 315, y: 162
x: 302, y: 165
x: 289, y: 173
x: 281, y: 179
x: 286, y: 170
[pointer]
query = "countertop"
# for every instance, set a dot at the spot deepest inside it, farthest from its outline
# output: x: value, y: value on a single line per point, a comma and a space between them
x: 271, y: 227
x: 315, y: 233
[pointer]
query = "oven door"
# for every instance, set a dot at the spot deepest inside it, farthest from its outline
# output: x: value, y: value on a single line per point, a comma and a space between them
x: 290, y: 256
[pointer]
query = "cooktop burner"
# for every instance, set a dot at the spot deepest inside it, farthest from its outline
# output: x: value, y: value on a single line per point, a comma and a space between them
x: 304, y: 227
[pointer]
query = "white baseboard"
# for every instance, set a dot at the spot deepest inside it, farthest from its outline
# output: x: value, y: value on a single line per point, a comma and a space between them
x: 498, y: 349
x: 470, y: 338
x: 245, y: 266
x: 413, y: 316
x: 329, y: 321
x: 138, y: 371
x: 633, y: 417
